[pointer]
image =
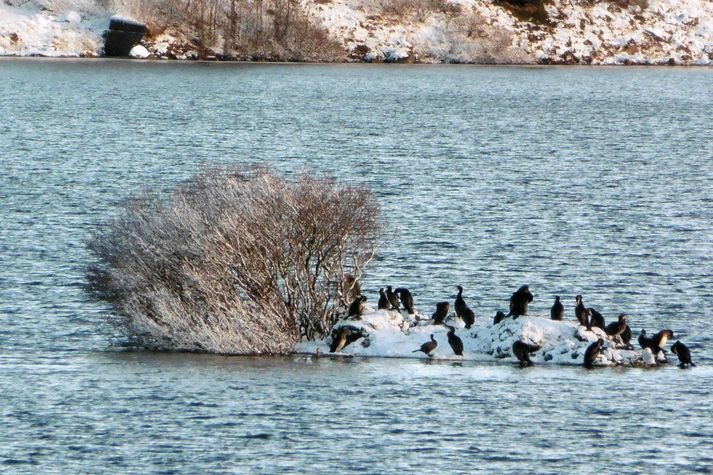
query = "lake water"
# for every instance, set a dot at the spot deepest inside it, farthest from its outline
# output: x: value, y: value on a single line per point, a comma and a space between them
x: 574, y: 180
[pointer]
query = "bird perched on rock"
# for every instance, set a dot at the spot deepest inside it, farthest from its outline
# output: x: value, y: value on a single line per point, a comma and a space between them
x: 643, y: 339
x: 580, y: 311
x: 683, y: 353
x: 441, y: 312
x: 615, y: 329
x: 626, y: 336
x: 462, y: 309
x: 429, y: 347
x: 519, y: 301
x: 557, y: 310
x: 393, y: 298
x: 455, y: 341
x: 406, y: 299
x: 657, y: 342
x: 499, y: 317
x: 384, y: 303
x: 356, y: 309
x: 522, y: 351
x: 592, y: 352
x: 596, y: 319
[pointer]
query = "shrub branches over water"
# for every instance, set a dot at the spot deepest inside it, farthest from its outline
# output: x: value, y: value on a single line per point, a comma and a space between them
x: 236, y: 260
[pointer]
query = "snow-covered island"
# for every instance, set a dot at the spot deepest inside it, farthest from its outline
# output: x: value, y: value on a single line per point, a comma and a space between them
x: 425, y: 31
x: 391, y: 334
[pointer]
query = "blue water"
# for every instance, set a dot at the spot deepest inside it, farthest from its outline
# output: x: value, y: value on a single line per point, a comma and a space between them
x: 574, y: 180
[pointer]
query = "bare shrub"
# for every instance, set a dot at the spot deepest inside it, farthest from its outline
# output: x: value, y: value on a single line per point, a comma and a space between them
x: 473, y: 39
x: 277, y: 30
x: 236, y: 261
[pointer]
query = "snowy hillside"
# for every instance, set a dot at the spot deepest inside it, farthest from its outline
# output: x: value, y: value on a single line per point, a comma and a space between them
x: 565, y: 31
x: 390, y: 334
x: 480, y: 31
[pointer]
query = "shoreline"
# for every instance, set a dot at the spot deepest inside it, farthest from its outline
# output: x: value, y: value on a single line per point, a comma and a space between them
x: 565, y: 32
x: 42, y: 58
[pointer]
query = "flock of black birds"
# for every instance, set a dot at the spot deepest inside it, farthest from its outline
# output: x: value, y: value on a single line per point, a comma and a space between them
x: 393, y: 299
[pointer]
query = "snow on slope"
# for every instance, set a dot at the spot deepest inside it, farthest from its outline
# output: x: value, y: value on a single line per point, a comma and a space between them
x: 480, y: 31
x: 390, y: 334
x: 599, y: 32
x: 32, y: 29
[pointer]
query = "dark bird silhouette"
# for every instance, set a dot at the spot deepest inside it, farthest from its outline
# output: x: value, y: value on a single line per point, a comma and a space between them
x: 499, y: 317
x: 393, y: 298
x: 643, y: 340
x: 519, y: 301
x: 626, y: 336
x: 441, y: 312
x: 462, y: 309
x: 596, y: 319
x: 557, y: 310
x: 429, y: 347
x: 592, y: 352
x: 384, y: 303
x: 683, y: 353
x: 406, y: 299
x: 580, y: 311
x: 615, y: 329
x: 455, y: 341
x: 522, y: 351
x: 657, y: 342
x: 357, y: 306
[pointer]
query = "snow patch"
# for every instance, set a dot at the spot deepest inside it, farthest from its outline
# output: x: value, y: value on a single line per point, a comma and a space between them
x: 139, y: 52
x: 391, y: 334
x: 73, y: 18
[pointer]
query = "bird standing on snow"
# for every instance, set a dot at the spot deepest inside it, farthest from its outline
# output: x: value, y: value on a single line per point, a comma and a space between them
x: 462, y: 309
x: 384, y: 303
x: 592, y: 352
x: 557, y: 310
x: 455, y: 341
x: 580, y: 311
x: 519, y: 301
x: 406, y: 299
x: 657, y: 342
x: 429, y: 347
x: 357, y: 307
x: 393, y: 298
x: 441, y: 312
x: 596, y: 319
x: 617, y: 328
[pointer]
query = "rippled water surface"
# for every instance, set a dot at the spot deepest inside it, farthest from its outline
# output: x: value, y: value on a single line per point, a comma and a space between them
x: 574, y: 180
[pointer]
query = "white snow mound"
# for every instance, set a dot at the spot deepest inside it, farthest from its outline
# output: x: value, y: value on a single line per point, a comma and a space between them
x: 391, y: 334
x: 139, y: 52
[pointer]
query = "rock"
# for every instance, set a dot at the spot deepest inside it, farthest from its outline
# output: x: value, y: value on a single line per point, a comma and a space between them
x: 648, y: 358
